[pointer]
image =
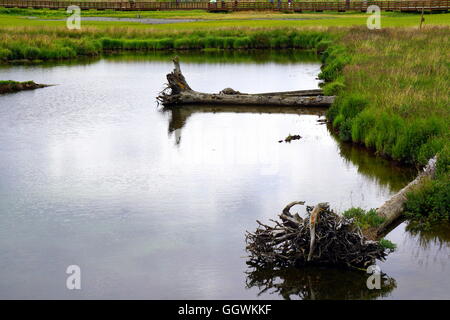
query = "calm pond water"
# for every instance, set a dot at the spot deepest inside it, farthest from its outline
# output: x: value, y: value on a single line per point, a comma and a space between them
x: 155, y: 204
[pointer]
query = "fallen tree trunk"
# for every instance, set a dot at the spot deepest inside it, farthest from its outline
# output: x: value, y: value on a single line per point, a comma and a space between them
x: 392, y: 209
x: 178, y: 92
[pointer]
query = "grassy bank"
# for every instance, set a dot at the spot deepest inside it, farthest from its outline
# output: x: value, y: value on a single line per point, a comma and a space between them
x: 392, y: 88
x: 58, y: 43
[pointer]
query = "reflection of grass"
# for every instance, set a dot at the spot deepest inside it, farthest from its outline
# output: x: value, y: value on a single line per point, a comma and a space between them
x: 436, y: 235
x: 393, y: 175
x: 222, y: 56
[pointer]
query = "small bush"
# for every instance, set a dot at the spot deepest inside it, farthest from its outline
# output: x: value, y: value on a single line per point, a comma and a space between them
x: 363, y: 124
x: 5, y: 54
x: 364, y: 219
x: 31, y: 53
x: 429, y: 204
x: 334, y: 59
x: 388, y: 244
x: 323, y: 45
x: 333, y: 88
x: 241, y: 43
x: 164, y: 44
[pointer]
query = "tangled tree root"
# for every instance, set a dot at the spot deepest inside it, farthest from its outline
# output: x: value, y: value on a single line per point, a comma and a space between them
x: 325, y: 238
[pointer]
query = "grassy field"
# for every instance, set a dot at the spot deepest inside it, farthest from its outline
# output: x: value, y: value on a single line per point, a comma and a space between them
x: 21, y: 17
x: 392, y: 84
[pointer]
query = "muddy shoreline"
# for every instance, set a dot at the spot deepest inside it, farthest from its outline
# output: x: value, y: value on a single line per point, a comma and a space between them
x: 14, y: 86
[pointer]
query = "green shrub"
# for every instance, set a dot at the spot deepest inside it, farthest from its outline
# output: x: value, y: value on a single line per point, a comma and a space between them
x: 31, y: 53
x: 229, y: 42
x: 111, y: 44
x: 429, y: 204
x: 333, y: 88
x: 166, y: 43
x: 352, y: 105
x: 417, y: 133
x: 362, y: 124
x: 210, y: 42
x: 388, y: 244
x: 241, y: 43
x: 5, y: 54
x: 364, y: 219
x: 323, y: 45
x: 186, y: 43
x: 334, y: 59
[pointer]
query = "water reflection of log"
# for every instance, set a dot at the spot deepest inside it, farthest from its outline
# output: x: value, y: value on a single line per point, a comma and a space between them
x: 316, y: 283
x: 180, y: 115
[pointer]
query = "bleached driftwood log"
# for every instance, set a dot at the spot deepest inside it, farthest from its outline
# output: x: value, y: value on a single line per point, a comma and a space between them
x: 178, y: 92
x: 392, y: 209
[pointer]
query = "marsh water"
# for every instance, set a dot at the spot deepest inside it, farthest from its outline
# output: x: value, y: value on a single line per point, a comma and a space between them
x: 154, y: 204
